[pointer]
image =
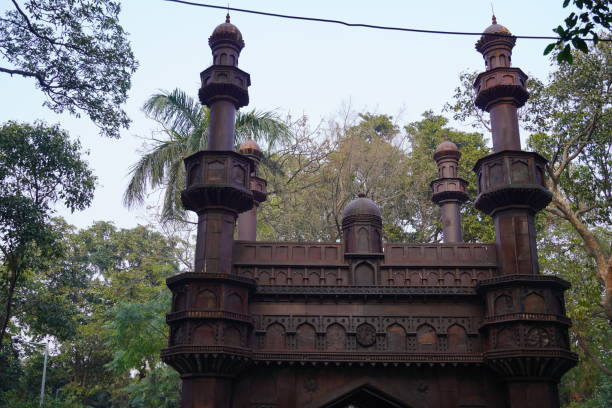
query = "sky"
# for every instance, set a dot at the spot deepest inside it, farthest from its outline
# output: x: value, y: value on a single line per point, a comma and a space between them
x: 296, y: 67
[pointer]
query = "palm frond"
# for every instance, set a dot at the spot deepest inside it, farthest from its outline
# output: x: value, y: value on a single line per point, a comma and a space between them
x: 261, y: 126
x: 174, y: 110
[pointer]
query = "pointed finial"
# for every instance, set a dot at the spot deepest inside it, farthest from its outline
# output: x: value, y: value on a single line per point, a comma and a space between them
x: 493, y: 19
x: 227, y: 18
x: 361, y: 195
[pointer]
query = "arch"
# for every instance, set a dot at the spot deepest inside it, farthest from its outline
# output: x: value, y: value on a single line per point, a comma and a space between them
x: 335, y: 338
x: 432, y: 279
x: 415, y: 279
x: 363, y: 236
x: 180, y: 301
x: 223, y: 60
x: 502, y: 305
x: 534, y: 303
x: 364, y: 274
x: 275, y: 337
x: 194, y: 174
x: 234, y: 303
x: 466, y: 279
x: 305, y: 337
x: 264, y: 278
x: 362, y: 396
x: 205, y: 300
x: 232, y: 337
x: 178, y: 336
x: 506, y: 338
x: 281, y: 278
x: 427, y: 338
x: 449, y: 279
x: 203, y: 335
x: 396, y: 338
x: 457, y: 339
x: 313, y: 278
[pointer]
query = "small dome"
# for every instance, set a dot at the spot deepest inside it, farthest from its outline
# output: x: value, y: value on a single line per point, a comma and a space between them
x: 226, y: 32
x: 249, y: 145
x: 495, y: 28
x: 361, y: 206
x: 447, y: 145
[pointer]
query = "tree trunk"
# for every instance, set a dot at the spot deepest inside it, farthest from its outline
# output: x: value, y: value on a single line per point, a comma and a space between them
x: 593, y: 246
x: 9, y: 303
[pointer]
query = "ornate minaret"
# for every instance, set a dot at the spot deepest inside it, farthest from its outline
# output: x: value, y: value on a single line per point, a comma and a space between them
x: 525, y: 325
x: 449, y: 190
x: 210, y: 322
x: 247, y: 221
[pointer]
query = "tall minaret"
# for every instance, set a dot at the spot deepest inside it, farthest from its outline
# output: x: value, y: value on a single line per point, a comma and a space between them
x: 448, y: 190
x: 247, y: 221
x: 525, y: 328
x: 210, y: 323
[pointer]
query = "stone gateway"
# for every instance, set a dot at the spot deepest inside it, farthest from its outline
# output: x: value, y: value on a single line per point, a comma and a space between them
x: 364, y: 323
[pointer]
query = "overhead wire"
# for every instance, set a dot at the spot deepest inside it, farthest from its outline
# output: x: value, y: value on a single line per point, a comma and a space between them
x: 372, y: 26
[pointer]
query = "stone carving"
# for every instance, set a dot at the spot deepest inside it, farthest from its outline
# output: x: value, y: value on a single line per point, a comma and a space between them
x: 364, y: 274
x: 507, y: 337
x: 306, y: 337
x: 205, y: 300
x: 457, y: 339
x: 538, y: 337
x: 275, y: 337
x: 503, y: 304
x: 366, y: 335
x: 335, y: 338
x: 427, y: 339
x: 534, y: 303
x: 396, y: 338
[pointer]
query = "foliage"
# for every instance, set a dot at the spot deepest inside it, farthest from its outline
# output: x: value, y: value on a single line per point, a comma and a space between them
x: 320, y: 170
x: 109, y: 291
x: 39, y: 166
x: 76, y: 51
x: 184, y: 123
x: 568, y: 118
x: 593, y: 15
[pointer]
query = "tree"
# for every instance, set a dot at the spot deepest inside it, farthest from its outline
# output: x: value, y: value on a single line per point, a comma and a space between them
x: 39, y: 166
x: 593, y: 15
x: 76, y: 52
x: 184, y: 123
x: 321, y: 170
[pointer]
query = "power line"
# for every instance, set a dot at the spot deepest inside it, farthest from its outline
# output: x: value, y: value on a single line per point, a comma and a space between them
x: 344, y: 23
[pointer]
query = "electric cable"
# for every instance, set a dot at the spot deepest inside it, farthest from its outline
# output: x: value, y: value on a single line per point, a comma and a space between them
x: 344, y: 23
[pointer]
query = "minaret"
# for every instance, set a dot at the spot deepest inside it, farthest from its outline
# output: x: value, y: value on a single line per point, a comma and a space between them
x: 210, y: 323
x: 247, y: 221
x: 525, y: 328
x: 449, y: 191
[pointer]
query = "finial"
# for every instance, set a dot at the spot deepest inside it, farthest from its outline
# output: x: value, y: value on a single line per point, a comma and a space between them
x: 227, y: 18
x: 493, y: 19
x: 361, y: 195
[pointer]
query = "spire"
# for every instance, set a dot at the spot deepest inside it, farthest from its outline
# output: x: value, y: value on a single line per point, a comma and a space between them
x: 493, y: 19
x: 227, y: 18
x: 449, y: 191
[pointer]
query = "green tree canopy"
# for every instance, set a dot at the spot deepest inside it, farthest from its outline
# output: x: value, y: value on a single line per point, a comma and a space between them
x: 184, y: 125
x: 39, y: 166
x: 77, y: 53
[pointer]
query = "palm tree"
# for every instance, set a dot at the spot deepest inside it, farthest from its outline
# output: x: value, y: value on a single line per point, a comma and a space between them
x: 184, y: 123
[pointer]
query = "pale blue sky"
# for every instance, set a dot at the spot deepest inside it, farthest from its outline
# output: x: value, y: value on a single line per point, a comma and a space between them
x: 301, y: 67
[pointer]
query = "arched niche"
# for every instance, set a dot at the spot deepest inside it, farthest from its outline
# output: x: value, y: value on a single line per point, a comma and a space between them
x: 427, y: 338
x: 203, y: 335
x: 180, y: 301
x: 396, y: 338
x: 363, y: 238
x: 234, y: 303
x: 364, y: 274
x: 457, y: 339
x: 534, y: 303
x: 275, y: 337
x: 205, y: 300
x: 305, y: 337
x: 503, y: 304
x: 335, y: 338
x: 232, y: 337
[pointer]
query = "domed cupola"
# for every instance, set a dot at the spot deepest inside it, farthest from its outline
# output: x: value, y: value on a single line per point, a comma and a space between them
x: 362, y: 226
x: 226, y: 43
x: 496, y: 45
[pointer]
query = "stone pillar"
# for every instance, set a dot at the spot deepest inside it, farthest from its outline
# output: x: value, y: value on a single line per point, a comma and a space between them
x: 210, y: 323
x: 449, y: 191
x: 525, y: 327
x: 247, y: 221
